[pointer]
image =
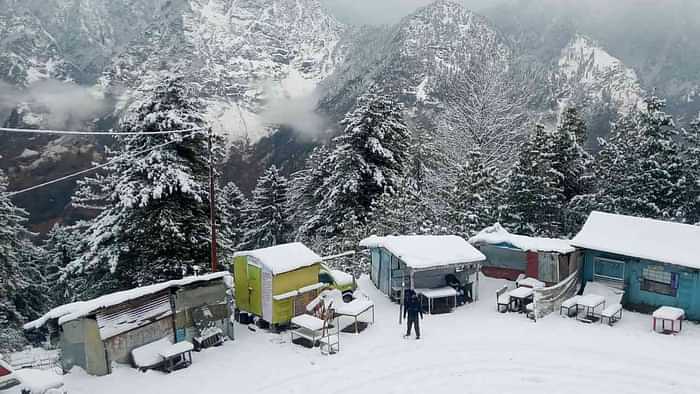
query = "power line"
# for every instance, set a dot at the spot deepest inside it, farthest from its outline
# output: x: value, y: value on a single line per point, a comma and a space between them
x: 101, y: 132
x: 69, y: 176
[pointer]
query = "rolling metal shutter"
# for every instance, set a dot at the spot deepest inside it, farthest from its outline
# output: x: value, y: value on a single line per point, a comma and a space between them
x: 132, y: 317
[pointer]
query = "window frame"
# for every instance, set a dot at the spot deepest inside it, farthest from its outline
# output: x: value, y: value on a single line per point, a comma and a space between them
x: 606, y: 277
x: 648, y: 282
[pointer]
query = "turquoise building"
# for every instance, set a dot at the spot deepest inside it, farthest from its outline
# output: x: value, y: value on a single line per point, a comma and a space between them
x: 656, y: 263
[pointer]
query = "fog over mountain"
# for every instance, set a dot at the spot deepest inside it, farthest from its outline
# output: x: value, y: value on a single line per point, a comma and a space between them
x: 374, y: 12
x: 276, y: 76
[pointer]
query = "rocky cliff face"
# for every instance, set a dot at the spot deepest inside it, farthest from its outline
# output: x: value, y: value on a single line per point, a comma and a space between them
x: 591, y: 76
x: 409, y: 59
x: 240, y: 56
x: 262, y: 68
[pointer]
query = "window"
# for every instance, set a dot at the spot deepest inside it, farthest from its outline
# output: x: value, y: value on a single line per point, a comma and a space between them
x: 324, y: 277
x: 607, y: 269
x: 395, y: 263
x: 656, y: 280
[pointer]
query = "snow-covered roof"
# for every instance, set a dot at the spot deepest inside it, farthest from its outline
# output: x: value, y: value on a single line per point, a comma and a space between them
x: 427, y: 251
x: 76, y: 310
x: 496, y: 234
x: 283, y: 258
x: 649, y: 239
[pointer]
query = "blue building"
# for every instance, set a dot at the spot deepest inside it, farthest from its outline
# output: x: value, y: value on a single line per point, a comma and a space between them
x: 655, y: 262
x: 422, y: 263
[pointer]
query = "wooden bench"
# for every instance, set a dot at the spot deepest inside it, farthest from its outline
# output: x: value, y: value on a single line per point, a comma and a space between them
x: 568, y: 305
x: 612, y: 314
x: 502, y: 300
x: 307, y: 327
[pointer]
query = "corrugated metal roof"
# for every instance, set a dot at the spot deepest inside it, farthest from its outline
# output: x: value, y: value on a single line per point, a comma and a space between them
x: 129, y: 318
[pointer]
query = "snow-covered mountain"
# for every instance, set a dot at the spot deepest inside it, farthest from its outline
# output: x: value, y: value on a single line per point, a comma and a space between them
x: 591, y: 76
x: 408, y: 59
x: 240, y: 55
x: 75, y: 56
x: 259, y: 65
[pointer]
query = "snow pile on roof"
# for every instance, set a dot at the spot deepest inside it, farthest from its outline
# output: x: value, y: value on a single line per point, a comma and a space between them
x: 283, y: 258
x: 496, y: 234
x: 342, y: 278
x: 426, y: 251
x: 649, y: 239
x: 76, y: 310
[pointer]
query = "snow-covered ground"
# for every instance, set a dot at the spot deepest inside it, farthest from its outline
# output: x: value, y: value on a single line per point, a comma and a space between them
x: 473, y: 350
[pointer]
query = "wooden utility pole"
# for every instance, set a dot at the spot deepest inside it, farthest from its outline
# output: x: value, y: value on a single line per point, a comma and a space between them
x: 212, y: 203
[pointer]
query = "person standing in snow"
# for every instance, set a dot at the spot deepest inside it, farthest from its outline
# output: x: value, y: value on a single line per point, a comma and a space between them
x: 412, y: 309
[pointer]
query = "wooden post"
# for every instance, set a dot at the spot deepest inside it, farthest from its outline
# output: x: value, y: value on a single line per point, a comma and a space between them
x: 401, y: 299
x: 212, y: 204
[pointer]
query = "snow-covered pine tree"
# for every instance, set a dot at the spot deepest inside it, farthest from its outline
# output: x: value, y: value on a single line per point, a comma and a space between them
x: 62, y: 246
x: 231, y: 206
x: 475, y: 197
x: 570, y: 162
x: 22, y: 288
x: 155, y: 225
x: 533, y: 200
x: 368, y: 160
x: 639, y: 170
x: 691, y: 158
x: 404, y: 212
x: 267, y: 218
x: 304, y: 192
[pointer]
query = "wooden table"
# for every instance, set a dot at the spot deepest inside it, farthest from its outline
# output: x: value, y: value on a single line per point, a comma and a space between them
x: 441, y: 292
x: 589, y: 303
x: 668, y: 314
x: 519, y: 298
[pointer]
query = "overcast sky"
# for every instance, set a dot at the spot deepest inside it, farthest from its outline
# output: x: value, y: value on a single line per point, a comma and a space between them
x: 386, y: 11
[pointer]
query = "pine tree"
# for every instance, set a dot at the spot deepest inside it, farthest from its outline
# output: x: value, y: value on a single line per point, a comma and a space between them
x: 62, y: 246
x: 691, y: 157
x: 475, y: 196
x: 22, y: 289
x: 405, y: 212
x: 267, y: 221
x: 368, y: 160
x: 639, y: 170
x: 232, y: 205
x: 305, y: 192
x: 534, y: 201
x: 570, y: 162
x: 155, y: 225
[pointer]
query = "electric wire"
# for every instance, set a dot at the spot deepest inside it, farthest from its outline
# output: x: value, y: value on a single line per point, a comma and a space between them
x: 73, y: 175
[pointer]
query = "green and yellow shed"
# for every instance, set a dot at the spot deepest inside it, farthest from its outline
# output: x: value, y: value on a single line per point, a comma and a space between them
x: 276, y: 283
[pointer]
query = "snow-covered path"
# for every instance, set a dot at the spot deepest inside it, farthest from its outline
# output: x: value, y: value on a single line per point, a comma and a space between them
x: 474, y: 350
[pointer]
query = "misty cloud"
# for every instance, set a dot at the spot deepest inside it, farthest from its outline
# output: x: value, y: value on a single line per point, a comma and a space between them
x: 298, y: 113
x: 376, y: 12
x: 59, y: 104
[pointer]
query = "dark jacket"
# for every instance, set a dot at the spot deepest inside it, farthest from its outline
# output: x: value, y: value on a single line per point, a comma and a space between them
x: 412, y: 307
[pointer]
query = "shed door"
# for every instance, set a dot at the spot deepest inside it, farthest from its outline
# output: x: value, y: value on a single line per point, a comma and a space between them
x: 255, y: 289
x: 374, y: 273
x: 266, y: 297
x: 240, y: 274
x: 548, y: 267
x: 384, y: 272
